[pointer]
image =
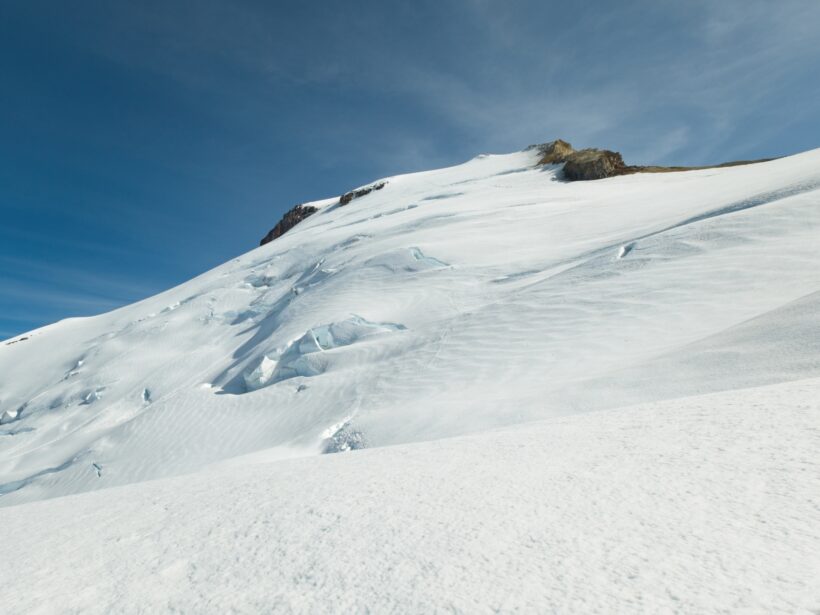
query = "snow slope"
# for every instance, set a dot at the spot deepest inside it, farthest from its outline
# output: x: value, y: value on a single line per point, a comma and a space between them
x: 449, y: 302
x: 703, y: 504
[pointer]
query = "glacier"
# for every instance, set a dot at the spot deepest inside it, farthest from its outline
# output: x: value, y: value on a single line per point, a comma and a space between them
x: 445, y: 321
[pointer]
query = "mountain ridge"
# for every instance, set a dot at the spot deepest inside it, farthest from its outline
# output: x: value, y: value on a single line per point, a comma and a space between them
x: 588, y: 164
x: 448, y: 302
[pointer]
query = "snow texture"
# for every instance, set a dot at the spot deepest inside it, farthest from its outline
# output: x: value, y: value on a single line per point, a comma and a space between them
x: 474, y: 330
x: 705, y: 504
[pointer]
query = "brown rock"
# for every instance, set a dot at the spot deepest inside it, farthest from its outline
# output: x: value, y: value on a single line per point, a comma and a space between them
x: 355, y: 194
x: 589, y: 164
x: 583, y: 165
x: 288, y: 221
x: 554, y: 152
x: 300, y: 212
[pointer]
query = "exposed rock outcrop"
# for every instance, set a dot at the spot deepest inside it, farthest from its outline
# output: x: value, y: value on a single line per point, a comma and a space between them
x: 19, y: 339
x: 554, y: 152
x: 590, y: 164
x: 302, y: 211
x: 360, y: 192
x: 579, y: 165
x: 288, y: 221
x: 585, y: 164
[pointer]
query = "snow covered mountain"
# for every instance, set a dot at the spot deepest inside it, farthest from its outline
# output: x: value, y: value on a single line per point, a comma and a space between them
x: 472, y: 317
x: 448, y: 302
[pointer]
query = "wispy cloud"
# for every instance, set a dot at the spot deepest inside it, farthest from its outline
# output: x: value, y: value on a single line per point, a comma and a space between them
x: 192, y: 120
x: 24, y: 272
x: 34, y: 293
x: 656, y: 79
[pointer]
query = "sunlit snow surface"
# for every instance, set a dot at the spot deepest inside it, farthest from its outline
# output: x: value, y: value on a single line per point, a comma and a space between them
x: 700, y: 505
x: 448, y: 303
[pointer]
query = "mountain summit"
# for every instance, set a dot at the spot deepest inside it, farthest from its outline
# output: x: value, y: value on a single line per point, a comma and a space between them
x: 576, y: 165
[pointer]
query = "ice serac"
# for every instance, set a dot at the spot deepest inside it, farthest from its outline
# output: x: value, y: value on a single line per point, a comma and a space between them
x: 452, y: 301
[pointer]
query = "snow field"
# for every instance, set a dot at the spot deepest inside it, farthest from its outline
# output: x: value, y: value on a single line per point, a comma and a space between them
x: 696, y: 505
x: 449, y: 302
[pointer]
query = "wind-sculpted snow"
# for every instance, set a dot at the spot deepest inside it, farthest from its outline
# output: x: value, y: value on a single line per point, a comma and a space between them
x: 447, y: 302
x: 306, y: 356
x: 699, y: 505
x: 405, y: 260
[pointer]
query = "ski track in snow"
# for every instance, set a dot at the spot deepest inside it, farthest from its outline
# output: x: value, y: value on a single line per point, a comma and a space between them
x: 497, y: 294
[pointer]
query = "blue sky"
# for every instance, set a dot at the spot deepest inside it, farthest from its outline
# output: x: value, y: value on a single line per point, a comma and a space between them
x: 142, y: 143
